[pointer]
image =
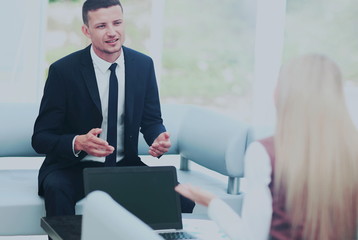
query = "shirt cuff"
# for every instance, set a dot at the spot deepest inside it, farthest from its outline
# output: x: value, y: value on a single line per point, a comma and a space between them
x: 73, y: 147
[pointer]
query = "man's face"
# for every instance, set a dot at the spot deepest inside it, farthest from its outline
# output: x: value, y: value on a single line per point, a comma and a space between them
x: 106, y: 31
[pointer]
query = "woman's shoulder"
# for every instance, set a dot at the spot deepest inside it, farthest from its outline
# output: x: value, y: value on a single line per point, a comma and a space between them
x: 257, y: 160
x: 263, y: 147
x: 261, y: 144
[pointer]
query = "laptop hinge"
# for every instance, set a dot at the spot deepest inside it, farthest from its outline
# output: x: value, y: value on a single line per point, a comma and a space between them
x: 167, y: 230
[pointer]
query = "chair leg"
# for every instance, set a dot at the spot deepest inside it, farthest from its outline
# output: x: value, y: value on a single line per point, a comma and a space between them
x: 233, y: 186
x: 184, y: 164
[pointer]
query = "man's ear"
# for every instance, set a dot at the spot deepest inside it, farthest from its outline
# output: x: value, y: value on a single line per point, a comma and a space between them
x: 85, y: 30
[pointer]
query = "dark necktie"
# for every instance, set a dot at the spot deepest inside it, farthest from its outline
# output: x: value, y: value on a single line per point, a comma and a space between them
x: 112, y: 116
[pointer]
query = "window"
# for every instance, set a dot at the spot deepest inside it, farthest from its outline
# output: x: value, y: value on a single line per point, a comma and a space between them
x: 21, y: 62
x: 328, y: 27
x: 208, y: 54
x: 203, y: 51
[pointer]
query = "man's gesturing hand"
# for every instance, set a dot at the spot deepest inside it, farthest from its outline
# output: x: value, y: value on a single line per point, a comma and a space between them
x: 160, y: 145
x: 92, y: 144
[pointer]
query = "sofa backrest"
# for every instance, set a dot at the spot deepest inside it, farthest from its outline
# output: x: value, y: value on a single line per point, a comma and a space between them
x: 17, y: 122
x: 198, y: 134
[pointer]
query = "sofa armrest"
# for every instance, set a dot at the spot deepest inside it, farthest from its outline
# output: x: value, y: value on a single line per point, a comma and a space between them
x: 214, y: 141
x: 207, y: 138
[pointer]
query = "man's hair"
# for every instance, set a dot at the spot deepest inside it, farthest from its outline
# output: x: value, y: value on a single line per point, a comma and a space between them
x: 91, y: 5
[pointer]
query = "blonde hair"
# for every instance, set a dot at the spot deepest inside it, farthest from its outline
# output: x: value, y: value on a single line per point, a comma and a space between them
x: 316, y: 150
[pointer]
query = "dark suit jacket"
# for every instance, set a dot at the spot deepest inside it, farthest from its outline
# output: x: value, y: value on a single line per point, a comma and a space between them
x: 71, y: 106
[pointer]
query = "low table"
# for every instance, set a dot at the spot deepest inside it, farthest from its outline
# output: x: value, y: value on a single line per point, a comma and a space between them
x: 63, y: 227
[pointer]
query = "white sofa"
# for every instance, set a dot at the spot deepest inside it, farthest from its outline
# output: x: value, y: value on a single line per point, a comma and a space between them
x: 212, y: 141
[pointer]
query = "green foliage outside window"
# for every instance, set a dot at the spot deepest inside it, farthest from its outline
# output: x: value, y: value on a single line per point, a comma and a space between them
x: 52, y: 1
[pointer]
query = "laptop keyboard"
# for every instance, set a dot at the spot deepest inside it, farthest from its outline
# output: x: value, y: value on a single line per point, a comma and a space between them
x: 176, y: 235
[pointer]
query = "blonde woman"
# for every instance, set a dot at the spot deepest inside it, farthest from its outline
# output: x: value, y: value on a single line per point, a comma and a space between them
x: 302, y: 182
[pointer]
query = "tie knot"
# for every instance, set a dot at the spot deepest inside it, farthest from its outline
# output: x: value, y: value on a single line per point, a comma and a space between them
x: 113, y: 67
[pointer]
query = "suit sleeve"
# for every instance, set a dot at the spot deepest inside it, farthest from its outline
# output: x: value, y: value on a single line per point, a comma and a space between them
x: 50, y: 136
x: 152, y: 122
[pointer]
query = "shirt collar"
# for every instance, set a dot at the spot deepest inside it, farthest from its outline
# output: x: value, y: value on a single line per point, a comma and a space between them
x: 103, y: 65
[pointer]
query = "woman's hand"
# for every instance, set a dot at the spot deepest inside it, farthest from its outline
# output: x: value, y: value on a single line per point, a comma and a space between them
x: 195, y: 194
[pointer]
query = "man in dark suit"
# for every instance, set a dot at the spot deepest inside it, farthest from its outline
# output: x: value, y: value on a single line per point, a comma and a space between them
x: 75, y: 127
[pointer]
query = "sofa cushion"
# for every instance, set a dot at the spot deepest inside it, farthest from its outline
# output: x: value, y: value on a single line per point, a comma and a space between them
x: 20, y: 206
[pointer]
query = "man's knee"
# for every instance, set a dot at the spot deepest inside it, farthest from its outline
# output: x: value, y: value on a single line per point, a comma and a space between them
x: 60, y: 194
x: 55, y: 182
x: 60, y: 183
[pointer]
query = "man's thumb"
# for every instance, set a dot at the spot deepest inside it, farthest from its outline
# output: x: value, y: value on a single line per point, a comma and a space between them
x: 166, y: 135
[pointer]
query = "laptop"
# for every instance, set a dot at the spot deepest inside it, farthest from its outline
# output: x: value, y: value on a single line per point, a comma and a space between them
x: 147, y: 192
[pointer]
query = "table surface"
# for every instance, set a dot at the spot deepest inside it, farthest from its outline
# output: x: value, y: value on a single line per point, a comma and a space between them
x: 69, y: 227
x: 63, y: 227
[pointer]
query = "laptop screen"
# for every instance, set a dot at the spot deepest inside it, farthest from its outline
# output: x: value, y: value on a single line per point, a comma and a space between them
x: 147, y: 192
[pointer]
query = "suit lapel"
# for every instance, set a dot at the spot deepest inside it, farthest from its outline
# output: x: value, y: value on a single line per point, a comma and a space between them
x: 129, y: 88
x: 90, y: 78
x: 91, y: 82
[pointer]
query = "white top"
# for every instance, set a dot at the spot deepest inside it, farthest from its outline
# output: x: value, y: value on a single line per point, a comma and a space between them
x: 257, y: 206
x: 101, y: 68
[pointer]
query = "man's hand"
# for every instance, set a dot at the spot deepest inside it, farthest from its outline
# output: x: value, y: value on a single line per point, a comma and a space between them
x: 92, y: 144
x: 160, y: 145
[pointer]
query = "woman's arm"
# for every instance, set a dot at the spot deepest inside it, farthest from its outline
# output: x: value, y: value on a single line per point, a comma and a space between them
x: 257, y: 207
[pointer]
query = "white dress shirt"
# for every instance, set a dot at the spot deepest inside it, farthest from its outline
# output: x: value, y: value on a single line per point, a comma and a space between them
x: 254, y: 224
x: 101, y: 68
